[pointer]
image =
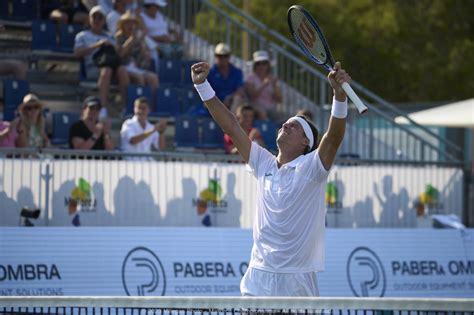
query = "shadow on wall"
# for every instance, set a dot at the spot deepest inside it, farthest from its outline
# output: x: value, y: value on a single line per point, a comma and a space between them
x: 9, y: 208
x: 183, y: 211
x: 395, y: 210
x: 134, y: 204
x: 233, y: 211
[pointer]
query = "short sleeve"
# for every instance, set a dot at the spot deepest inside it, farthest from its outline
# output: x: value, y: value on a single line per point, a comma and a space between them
x: 79, y: 40
x: 315, y: 168
x: 126, y: 133
x: 259, y: 159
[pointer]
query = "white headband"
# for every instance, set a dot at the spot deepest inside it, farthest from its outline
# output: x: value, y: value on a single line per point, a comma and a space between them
x: 306, y: 128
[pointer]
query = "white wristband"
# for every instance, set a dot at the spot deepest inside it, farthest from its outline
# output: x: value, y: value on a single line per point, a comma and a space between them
x: 339, y: 109
x: 205, y: 91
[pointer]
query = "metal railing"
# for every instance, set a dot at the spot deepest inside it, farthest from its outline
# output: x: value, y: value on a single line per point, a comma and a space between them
x: 372, y: 136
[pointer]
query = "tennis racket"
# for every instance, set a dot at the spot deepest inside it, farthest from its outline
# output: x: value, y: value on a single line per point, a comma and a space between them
x: 312, y: 42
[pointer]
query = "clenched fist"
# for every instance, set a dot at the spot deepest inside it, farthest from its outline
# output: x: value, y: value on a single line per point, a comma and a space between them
x: 199, y: 72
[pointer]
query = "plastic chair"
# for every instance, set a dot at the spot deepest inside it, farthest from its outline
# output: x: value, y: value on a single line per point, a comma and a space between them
x: 212, y: 134
x: 167, y: 102
x: 62, y: 122
x: 13, y: 93
x: 170, y: 71
x: 268, y: 130
x: 186, y: 131
x: 43, y: 35
x: 67, y: 36
x: 25, y: 10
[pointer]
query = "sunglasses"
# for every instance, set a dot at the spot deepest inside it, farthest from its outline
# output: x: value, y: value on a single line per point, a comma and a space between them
x: 97, y: 16
x: 30, y: 108
x: 223, y: 56
x: 94, y: 108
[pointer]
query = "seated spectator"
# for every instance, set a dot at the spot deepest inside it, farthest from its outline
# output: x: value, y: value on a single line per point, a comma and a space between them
x: 168, y: 40
x: 245, y: 116
x: 8, y: 133
x: 225, y: 78
x: 120, y: 7
x: 88, y: 43
x: 89, y: 133
x: 70, y: 11
x: 30, y: 125
x: 138, y: 134
x: 262, y: 86
x: 134, y: 53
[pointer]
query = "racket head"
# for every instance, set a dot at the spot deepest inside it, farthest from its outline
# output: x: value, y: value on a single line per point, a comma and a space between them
x: 309, y: 36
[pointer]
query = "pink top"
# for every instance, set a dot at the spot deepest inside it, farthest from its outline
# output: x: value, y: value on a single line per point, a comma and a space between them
x: 10, y: 139
x: 265, y: 99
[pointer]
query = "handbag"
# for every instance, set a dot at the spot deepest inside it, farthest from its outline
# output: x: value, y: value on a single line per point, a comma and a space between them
x: 107, y: 56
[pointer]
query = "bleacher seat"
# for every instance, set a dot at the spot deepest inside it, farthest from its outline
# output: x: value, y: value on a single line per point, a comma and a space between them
x: 43, y: 35
x: 166, y: 102
x: 170, y: 71
x: 186, y: 65
x: 62, y: 122
x: 13, y: 93
x: 134, y: 92
x: 67, y: 35
x: 4, y: 9
x: 268, y: 129
x: 186, y: 131
x: 189, y: 98
x: 25, y: 10
x: 212, y: 135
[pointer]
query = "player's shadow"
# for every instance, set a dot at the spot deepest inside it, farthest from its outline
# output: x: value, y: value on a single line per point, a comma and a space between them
x: 134, y: 204
x: 182, y: 210
x: 364, y: 213
x: 389, y: 203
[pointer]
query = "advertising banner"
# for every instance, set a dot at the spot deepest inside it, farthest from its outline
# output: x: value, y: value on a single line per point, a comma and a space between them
x: 197, y: 261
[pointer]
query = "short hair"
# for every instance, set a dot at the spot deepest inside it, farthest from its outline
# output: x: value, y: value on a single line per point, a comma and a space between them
x: 243, y: 107
x: 315, y: 134
x: 140, y: 100
x: 307, y: 113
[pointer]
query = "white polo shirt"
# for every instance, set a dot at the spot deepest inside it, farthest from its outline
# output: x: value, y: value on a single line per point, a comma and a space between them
x: 131, y: 128
x: 289, y: 226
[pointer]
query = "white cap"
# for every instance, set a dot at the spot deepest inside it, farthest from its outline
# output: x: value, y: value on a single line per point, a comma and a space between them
x: 96, y: 9
x: 159, y: 3
x: 222, y: 49
x: 261, y: 55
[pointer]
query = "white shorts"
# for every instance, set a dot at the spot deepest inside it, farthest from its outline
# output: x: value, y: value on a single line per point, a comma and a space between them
x: 258, y: 282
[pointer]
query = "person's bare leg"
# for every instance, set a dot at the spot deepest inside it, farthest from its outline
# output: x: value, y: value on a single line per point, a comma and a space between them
x: 123, y: 82
x: 15, y: 68
x: 104, y: 85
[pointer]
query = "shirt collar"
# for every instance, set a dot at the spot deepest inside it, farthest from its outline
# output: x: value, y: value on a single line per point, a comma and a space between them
x: 295, y: 162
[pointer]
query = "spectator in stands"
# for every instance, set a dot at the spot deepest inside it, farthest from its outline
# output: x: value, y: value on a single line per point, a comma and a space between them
x: 70, y: 11
x: 88, y: 43
x: 10, y: 67
x: 30, y: 126
x: 8, y: 133
x: 168, y: 39
x: 120, y: 8
x: 225, y: 78
x: 262, y: 86
x: 134, y: 53
x: 138, y: 134
x: 245, y: 116
x: 89, y: 133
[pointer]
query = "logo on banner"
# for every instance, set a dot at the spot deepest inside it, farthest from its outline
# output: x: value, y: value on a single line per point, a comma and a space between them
x: 429, y: 199
x: 142, y: 273
x: 332, y: 200
x: 365, y: 273
x: 81, y: 199
x: 210, y: 200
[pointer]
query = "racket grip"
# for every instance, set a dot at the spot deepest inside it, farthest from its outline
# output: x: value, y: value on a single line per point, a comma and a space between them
x: 355, y: 99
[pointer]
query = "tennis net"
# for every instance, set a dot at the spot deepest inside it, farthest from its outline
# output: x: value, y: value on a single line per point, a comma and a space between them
x: 232, y: 305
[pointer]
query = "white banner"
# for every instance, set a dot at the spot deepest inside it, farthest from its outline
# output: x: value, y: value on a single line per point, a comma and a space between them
x: 145, y: 193
x: 197, y: 261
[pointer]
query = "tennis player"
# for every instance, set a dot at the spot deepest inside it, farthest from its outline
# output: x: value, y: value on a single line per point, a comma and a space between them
x: 288, y: 231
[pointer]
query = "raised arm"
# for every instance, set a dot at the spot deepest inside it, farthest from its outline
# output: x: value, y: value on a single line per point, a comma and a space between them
x: 224, y: 117
x: 337, y: 122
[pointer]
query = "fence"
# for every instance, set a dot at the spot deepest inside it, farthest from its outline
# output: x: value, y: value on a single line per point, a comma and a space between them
x: 186, y: 189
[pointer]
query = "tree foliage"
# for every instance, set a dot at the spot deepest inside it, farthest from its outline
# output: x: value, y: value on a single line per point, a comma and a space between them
x: 405, y: 51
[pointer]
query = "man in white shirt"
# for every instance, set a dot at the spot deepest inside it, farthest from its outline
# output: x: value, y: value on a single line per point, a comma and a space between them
x: 289, y: 228
x: 138, y: 135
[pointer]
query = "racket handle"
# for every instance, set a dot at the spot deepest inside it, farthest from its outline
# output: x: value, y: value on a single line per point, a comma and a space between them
x: 355, y: 99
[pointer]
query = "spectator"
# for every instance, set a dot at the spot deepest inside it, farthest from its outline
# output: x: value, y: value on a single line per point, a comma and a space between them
x: 8, y: 133
x: 30, y: 125
x: 157, y: 28
x: 88, y: 43
x: 88, y: 133
x: 138, y: 134
x: 225, y: 78
x: 245, y: 116
x: 134, y: 53
x: 70, y: 11
x: 262, y: 86
x: 120, y: 8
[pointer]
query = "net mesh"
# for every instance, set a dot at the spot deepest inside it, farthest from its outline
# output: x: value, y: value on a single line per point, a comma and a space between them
x: 227, y: 305
x: 307, y: 36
